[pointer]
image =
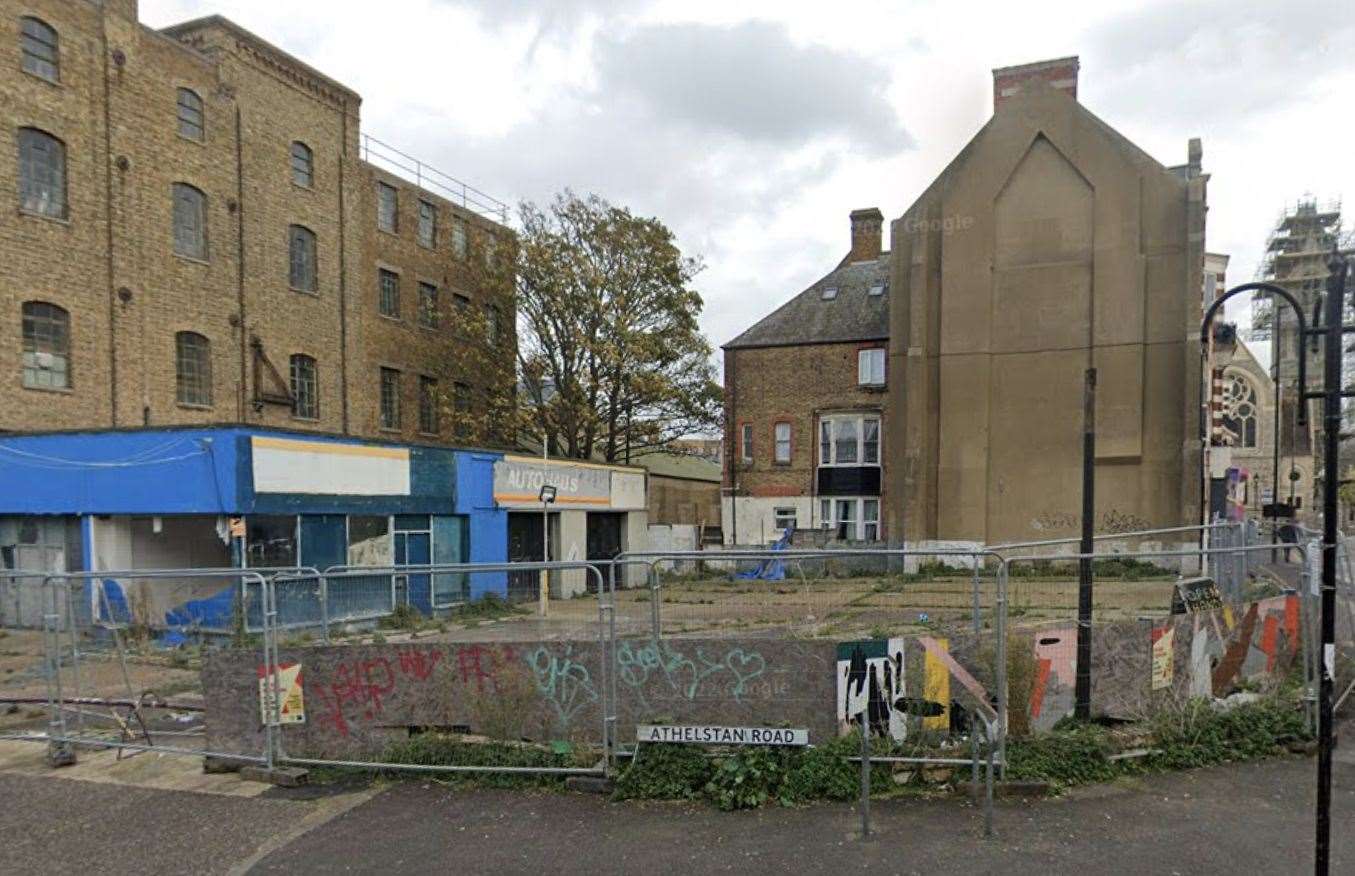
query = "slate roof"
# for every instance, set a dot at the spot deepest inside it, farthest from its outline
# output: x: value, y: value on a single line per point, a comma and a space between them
x: 854, y: 315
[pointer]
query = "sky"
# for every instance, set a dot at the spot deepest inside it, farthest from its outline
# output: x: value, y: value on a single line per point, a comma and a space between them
x: 753, y: 128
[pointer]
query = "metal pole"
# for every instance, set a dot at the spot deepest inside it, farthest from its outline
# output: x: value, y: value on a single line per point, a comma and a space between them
x: 1333, y: 328
x: 1083, y: 694
x: 865, y: 773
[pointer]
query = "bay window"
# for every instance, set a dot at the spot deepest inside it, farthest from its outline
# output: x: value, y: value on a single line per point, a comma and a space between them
x: 849, y: 439
x: 851, y: 518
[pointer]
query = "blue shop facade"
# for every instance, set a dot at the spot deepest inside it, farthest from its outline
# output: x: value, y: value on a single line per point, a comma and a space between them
x: 245, y: 497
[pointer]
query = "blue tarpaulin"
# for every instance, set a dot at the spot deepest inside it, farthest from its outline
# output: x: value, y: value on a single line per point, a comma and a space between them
x: 770, y: 570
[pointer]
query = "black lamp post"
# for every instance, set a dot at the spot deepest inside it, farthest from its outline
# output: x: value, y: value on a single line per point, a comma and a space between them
x: 1330, y: 328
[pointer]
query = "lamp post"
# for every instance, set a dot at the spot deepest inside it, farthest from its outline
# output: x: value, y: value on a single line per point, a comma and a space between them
x: 1331, y: 329
x: 547, y: 496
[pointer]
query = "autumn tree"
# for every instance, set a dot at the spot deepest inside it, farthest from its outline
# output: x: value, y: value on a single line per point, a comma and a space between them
x: 611, y: 359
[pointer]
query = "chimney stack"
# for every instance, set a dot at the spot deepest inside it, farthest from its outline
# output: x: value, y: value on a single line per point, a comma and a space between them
x: 867, y: 234
x: 1059, y: 74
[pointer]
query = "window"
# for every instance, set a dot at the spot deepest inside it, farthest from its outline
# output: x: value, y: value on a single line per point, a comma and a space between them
x: 193, y: 368
x: 302, y: 270
x: 270, y: 540
x: 428, y: 405
x: 870, y: 367
x: 746, y: 442
x: 781, y: 434
x: 851, y: 519
x: 428, y: 224
x: 829, y: 293
x: 462, y: 305
x: 47, y: 346
x: 42, y: 173
x: 428, y: 305
x: 191, y: 122
x: 877, y: 289
x: 305, y: 388
x: 387, y: 207
x: 849, y: 439
x: 38, y: 42
x: 784, y: 518
x: 190, y: 222
x: 459, y: 239
x: 390, y: 398
x: 1239, y: 410
x: 493, y: 324
x: 303, y: 164
x: 388, y: 297
x: 461, y: 403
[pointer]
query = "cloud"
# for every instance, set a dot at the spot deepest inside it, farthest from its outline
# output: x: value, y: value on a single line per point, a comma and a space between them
x: 752, y: 81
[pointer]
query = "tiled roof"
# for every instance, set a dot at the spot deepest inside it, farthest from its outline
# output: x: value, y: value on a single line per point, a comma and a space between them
x: 808, y: 318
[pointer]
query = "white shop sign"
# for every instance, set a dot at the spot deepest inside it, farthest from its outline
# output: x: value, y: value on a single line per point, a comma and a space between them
x: 721, y: 735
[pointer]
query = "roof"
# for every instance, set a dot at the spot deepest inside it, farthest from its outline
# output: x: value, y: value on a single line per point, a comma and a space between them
x: 853, y: 315
x: 686, y: 466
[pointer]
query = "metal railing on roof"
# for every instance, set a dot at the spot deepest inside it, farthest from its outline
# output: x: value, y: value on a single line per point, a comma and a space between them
x: 432, y: 180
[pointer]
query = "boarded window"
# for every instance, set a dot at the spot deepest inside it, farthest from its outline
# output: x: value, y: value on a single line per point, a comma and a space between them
x: 190, y: 221
x: 428, y: 224
x: 193, y: 368
x: 47, y: 346
x: 191, y: 120
x: 303, y: 164
x: 42, y: 173
x: 38, y: 42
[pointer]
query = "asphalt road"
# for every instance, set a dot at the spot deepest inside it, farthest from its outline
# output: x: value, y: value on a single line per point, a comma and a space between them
x: 1257, y: 817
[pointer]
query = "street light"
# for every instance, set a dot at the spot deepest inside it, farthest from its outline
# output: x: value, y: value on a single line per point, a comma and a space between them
x: 547, y: 497
x: 1329, y: 327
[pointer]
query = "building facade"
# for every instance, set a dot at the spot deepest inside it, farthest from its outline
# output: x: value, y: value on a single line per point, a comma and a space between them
x: 805, y: 395
x: 1051, y: 245
x: 203, y: 234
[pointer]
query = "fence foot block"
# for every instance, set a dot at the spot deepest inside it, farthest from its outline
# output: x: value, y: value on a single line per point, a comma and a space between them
x: 212, y: 764
x: 285, y: 777
x: 60, y: 755
x: 589, y: 784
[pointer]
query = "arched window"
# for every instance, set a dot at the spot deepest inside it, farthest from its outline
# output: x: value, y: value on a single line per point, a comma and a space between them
x: 47, y: 346
x: 305, y: 388
x: 1239, y: 410
x: 301, y: 249
x: 190, y: 221
x: 193, y: 368
x: 42, y: 173
x: 192, y: 123
x: 38, y: 42
x: 303, y: 164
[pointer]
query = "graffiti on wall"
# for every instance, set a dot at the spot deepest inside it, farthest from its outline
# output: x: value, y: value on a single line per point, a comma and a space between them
x: 703, y: 673
x: 1226, y: 648
x: 870, y: 683
x: 562, y: 681
x: 1051, y: 695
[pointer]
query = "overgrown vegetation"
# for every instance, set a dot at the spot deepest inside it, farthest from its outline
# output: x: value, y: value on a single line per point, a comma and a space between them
x: 453, y: 749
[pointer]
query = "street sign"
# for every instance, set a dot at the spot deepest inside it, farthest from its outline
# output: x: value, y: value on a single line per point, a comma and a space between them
x: 721, y: 735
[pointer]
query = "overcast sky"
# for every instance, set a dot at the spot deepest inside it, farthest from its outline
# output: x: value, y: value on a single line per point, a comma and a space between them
x: 752, y: 128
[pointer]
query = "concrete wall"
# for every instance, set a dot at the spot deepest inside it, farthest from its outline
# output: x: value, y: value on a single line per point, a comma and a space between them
x: 358, y: 699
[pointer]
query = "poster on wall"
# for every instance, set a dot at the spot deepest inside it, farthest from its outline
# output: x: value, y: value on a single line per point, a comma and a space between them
x: 1164, y: 653
x: 287, y: 681
x: 870, y: 681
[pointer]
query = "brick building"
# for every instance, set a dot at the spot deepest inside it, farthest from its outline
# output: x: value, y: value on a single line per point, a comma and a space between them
x: 805, y: 392
x: 1050, y: 245
x: 202, y: 234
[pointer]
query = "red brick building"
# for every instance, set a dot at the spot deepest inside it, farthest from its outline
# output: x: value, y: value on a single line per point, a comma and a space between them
x: 805, y: 392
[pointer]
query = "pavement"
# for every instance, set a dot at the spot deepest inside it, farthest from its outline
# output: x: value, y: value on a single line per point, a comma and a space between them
x: 161, y: 815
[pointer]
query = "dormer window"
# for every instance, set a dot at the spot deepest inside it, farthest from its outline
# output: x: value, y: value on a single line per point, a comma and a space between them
x: 829, y: 293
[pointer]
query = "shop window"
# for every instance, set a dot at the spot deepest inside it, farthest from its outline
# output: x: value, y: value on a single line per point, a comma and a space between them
x: 369, y: 540
x: 270, y: 540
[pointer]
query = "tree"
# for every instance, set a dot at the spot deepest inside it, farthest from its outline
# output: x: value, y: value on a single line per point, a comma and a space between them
x: 612, y: 362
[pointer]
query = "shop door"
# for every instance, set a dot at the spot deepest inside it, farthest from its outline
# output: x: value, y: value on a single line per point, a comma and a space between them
x: 524, y: 546
x: 604, y: 542
x: 413, y: 547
